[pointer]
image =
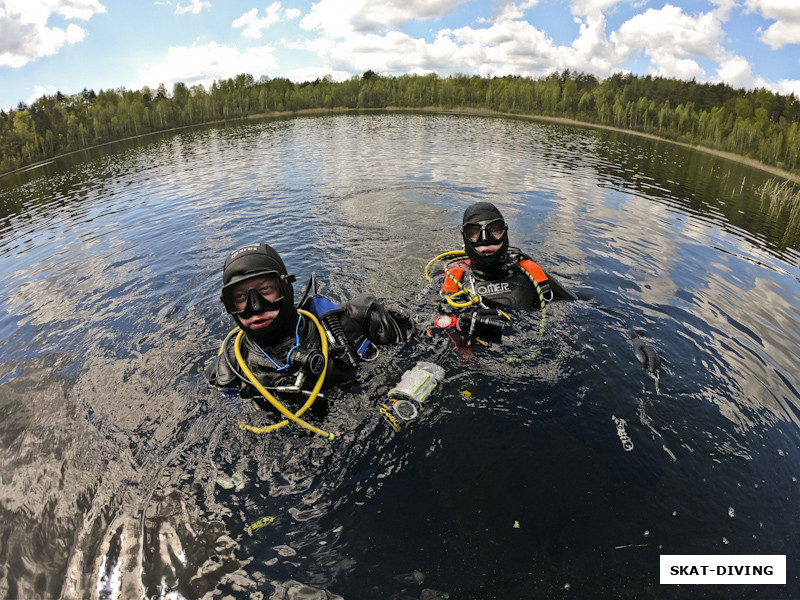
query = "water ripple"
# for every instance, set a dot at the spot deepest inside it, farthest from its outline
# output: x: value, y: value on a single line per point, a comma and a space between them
x: 113, y: 448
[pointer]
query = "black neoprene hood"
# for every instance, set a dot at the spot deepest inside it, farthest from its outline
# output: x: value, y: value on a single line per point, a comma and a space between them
x: 254, y: 260
x: 248, y: 261
x: 489, y: 265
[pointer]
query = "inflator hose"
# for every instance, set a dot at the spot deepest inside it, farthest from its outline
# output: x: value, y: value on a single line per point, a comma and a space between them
x: 295, y: 417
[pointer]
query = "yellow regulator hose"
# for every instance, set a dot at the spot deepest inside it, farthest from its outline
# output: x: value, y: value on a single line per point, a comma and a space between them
x: 274, y: 401
x: 472, y: 298
x: 441, y: 257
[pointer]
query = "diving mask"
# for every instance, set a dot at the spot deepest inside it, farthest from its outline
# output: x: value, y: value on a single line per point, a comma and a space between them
x: 490, y: 232
x: 245, y: 301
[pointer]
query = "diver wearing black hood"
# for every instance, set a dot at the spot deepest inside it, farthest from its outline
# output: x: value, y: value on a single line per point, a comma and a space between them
x: 500, y: 275
x: 281, y: 345
x: 251, y: 262
x: 495, y: 276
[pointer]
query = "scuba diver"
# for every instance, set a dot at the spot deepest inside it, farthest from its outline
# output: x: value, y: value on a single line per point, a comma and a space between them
x: 495, y: 273
x: 285, y: 353
x: 489, y: 276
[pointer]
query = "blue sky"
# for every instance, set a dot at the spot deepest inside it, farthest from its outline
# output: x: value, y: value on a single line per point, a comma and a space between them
x: 67, y: 45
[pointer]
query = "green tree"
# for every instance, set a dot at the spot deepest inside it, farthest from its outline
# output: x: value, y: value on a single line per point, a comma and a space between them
x: 754, y: 123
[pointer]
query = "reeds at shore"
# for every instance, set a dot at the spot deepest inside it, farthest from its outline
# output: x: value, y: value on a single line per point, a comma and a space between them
x: 782, y: 195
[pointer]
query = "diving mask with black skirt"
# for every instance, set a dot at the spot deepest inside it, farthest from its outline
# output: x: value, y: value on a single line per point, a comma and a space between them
x: 243, y: 302
x: 483, y: 226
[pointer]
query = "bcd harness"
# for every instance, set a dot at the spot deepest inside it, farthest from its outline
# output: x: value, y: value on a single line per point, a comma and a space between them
x: 324, y: 315
x: 453, y: 288
x: 295, y: 417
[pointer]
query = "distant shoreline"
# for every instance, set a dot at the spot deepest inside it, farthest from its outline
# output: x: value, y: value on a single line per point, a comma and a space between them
x: 721, y: 153
x: 561, y: 120
x: 461, y: 111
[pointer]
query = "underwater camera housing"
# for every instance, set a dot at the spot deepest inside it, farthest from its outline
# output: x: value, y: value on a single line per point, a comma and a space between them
x: 414, y: 388
x: 485, y: 324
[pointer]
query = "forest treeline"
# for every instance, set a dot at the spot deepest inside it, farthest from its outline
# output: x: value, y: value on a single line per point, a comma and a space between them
x: 756, y: 124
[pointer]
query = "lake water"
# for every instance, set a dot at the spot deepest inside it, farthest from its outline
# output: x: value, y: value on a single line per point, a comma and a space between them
x: 123, y: 475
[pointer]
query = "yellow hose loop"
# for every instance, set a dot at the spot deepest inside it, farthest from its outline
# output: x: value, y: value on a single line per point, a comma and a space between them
x: 295, y: 417
x: 451, y: 298
x: 225, y: 341
x: 440, y: 257
x: 474, y: 299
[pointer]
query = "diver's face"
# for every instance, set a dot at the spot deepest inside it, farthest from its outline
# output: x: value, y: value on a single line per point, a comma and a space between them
x: 488, y: 250
x: 268, y: 288
x: 486, y: 236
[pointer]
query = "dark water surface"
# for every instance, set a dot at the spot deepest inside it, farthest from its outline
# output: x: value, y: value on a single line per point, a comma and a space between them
x: 116, y: 458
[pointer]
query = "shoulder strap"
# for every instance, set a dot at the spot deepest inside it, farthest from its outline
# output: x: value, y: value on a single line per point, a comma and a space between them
x: 534, y: 270
x: 452, y: 279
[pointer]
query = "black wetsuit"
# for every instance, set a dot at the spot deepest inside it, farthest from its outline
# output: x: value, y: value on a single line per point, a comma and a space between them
x: 363, y: 321
x: 510, y: 286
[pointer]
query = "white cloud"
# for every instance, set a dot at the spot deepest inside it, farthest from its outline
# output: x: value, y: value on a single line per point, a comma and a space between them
x: 341, y: 19
x: 252, y: 24
x: 397, y: 53
x: 25, y: 36
x: 775, y: 9
x: 511, y: 10
x: 510, y: 47
x: 592, y: 7
x: 73, y: 9
x: 389, y: 54
x: 313, y: 73
x: 736, y: 71
x: 672, y: 40
x: 784, y: 86
x: 780, y: 34
x: 592, y: 51
x: 39, y: 91
x: 194, y: 7
x: 203, y: 63
x: 786, y: 14
x: 724, y: 8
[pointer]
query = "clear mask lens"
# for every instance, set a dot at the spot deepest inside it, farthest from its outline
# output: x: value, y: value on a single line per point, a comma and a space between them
x: 488, y: 231
x: 246, y: 302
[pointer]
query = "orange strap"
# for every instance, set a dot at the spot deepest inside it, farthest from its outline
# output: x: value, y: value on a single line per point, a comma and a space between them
x: 448, y: 285
x: 451, y: 287
x: 535, y: 270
